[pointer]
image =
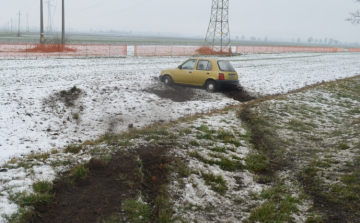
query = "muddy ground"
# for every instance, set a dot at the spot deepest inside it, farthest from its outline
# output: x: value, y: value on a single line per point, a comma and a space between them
x: 181, y: 93
x: 101, y: 195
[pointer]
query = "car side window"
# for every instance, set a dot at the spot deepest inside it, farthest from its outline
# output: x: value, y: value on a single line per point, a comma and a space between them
x: 189, y: 65
x: 204, y: 65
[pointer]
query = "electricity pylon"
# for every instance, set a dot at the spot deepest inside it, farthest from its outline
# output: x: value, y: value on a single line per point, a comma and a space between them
x: 218, y: 34
x: 49, y: 28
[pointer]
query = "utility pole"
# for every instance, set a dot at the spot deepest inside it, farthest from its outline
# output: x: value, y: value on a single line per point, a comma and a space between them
x: 11, y: 26
x: 42, y: 39
x: 63, y: 22
x: 18, y: 35
x: 27, y: 22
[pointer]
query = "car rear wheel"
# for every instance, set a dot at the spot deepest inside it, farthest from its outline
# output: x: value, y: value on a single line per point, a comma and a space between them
x: 210, y: 86
x: 168, y: 80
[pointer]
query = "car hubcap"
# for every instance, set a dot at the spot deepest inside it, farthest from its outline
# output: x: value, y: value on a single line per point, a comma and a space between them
x: 211, y: 87
x: 166, y: 81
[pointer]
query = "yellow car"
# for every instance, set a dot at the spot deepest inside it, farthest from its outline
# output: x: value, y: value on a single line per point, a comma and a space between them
x: 210, y: 73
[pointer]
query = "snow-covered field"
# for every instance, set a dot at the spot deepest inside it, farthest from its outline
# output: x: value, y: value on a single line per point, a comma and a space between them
x: 116, y: 94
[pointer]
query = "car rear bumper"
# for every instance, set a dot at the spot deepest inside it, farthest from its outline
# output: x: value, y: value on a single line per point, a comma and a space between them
x: 225, y: 83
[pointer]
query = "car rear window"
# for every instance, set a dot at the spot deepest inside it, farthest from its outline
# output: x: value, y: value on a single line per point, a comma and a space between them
x: 225, y: 66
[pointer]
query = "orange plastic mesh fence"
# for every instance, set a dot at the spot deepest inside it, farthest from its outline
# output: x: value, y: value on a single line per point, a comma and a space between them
x: 59, y: 50
x: 354, y: 50
x: 286, y: 49
x: 147, y: 51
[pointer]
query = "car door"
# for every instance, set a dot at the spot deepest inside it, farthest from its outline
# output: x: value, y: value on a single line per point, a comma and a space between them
x: 203, y: 72
x: 184, y: 73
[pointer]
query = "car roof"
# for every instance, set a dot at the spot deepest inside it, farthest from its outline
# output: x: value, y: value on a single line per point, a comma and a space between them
x: 210, y: 59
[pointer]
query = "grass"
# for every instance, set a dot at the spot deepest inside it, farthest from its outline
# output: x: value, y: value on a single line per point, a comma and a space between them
x: 163, y: 208
x: 218, y: 149
x: 185, y: 132
x: 105, y: 158
x: 38, y: 156
x: 137, y: 211
x: 216, y: 182
x: 257, y: 162
x: 42, y: 187
x: 78, y: 172
x: 182, y: 169
x: 269, y: 152
x: 275, y: 211
x: 343, y: 146
x: 205, y: 129
x: 23, y: 215
x: 225, y: 135
x: 72, y: 90
x: 224, y: 163
x: 194, y: 143
x: 207, y: 136
x: 35, y: 199
x: 342, y: 196
x: 75, y: 149
x: 76, y: 116
x: 299, y: 126
x: 279, y: 205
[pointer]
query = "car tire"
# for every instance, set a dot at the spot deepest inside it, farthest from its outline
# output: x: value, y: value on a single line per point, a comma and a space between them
x: 168, y: 81
x: 210, y: 86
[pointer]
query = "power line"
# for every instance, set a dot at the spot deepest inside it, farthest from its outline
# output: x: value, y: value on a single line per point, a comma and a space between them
x: 134, y: 6
x: 93, y: 6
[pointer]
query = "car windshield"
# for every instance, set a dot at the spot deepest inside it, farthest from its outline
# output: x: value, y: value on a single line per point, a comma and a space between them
x: 225, y: 66
x: 189, y: 65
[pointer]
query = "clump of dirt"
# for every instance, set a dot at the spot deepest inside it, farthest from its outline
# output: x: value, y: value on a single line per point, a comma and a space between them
x: 50, y: 48
x: 205, y: 50
x: 238, y: 94
x: 67, y: 97
x: 102, y: 194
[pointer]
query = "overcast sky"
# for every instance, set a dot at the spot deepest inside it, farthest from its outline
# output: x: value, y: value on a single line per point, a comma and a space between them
x: 276, y: 19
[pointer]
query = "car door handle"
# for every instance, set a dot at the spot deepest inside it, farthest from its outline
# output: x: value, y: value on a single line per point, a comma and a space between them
x: 207, y: 73
x: 190, y: 72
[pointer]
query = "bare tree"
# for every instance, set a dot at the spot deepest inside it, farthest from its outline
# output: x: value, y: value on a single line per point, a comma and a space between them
x: 331, y: 40
x: 242, y: 37
x: 354, y: 16
x: 310, y: 39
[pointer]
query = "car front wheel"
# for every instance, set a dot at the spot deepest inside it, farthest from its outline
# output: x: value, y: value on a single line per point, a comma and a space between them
x: 210, y: 86
x: 168, y: 80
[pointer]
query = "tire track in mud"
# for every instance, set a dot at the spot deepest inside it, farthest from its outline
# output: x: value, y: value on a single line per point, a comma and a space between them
x: 181, y: 93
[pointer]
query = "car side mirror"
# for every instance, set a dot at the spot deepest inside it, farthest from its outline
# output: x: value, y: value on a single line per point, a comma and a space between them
x: 179, y: 67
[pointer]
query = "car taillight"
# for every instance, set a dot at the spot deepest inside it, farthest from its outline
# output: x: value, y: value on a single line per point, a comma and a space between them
x: 221, y: 76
